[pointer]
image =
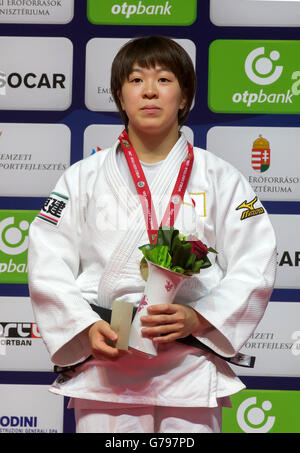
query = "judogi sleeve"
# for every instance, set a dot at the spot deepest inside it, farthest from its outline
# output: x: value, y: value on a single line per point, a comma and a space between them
x: 246, y: 246
x: 61, y: 313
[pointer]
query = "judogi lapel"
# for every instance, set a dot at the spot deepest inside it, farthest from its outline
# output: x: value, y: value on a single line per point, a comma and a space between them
x: 161, y: 189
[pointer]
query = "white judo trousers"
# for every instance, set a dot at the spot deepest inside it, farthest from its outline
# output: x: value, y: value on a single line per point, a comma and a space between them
x: 148, y: 419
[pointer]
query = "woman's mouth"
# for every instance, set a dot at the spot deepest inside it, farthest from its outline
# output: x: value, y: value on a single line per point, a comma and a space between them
x: 150, y: 108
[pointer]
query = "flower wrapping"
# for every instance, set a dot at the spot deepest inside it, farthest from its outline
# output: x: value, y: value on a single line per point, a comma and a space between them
x: 165, y: 266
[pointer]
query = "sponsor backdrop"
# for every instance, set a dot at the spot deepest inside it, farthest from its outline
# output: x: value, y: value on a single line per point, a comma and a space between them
x: 56, y: 108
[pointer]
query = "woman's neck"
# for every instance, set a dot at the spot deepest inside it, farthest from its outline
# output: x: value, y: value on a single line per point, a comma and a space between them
x: 152, y: 148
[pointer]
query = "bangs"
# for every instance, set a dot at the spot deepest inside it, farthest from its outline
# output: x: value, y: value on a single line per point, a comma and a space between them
x: 148, y: 53
x: 149, y: 62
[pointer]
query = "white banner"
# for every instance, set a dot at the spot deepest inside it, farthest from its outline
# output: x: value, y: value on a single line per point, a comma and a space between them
x: 267, y: 156
x: 36, y: 11
x: 21, y: 345
x: 30, y: 409
x: 255, y: 13
x: 35, y: 73
x: 32, y: 158
x: 100, y: 53
x: 275, y: 343
x: 287, y: 229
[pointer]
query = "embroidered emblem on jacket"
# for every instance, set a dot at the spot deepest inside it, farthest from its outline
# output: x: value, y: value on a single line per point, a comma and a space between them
x: 198, y: 202
x: 53, y: 208
x: 251, y: 211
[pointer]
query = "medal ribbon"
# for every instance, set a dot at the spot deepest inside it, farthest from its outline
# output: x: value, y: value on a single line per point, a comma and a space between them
x: 143, y: 189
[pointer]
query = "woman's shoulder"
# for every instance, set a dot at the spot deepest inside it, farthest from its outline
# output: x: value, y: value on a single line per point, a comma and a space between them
x: 88, y: 165
x: 214, y: 164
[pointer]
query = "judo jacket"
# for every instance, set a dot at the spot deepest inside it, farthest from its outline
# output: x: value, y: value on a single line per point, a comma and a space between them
x: 83, y: 249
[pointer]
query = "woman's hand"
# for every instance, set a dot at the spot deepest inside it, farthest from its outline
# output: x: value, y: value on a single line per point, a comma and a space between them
x: 99, y: 333
x: 167, y: 322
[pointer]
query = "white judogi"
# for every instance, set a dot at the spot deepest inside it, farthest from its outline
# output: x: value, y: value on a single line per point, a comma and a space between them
x: 89, y: 254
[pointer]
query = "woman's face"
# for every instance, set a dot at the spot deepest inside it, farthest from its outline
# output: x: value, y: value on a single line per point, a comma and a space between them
x: 151, y: 98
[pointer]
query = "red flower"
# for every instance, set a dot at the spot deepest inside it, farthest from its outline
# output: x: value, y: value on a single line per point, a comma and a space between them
x: 198, y: 247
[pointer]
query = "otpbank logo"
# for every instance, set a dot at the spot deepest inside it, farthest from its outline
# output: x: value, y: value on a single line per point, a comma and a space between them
x: 262, y: 411
x: 14, y: 229
x: 249, y: 76
x: 142, y: 12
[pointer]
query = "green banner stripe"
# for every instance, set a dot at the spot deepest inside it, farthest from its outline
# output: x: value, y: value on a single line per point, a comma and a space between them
x: 142, y: 12
x: 254, y: 76
x: 13, y: 266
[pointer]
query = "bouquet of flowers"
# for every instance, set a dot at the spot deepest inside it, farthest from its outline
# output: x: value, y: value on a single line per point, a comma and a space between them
x: 165, y: 266
x: 176, y: 252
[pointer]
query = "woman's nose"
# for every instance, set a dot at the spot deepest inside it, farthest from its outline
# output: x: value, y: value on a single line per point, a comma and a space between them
x: 150, y: 90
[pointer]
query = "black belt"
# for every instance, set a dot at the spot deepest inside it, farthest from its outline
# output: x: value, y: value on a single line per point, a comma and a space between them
x: 105, y: 314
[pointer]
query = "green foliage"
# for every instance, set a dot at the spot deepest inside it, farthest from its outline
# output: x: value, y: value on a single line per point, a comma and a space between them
x: 174, y: 252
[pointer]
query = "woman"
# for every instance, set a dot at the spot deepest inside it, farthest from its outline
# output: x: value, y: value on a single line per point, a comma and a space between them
x: 88, y: 255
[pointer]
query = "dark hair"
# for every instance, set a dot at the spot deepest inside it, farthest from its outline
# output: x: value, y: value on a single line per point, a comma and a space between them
x: 147, y: 52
